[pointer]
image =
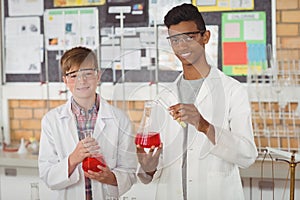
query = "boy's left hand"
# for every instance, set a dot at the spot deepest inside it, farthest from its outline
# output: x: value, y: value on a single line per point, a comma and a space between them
x: 105, y: 175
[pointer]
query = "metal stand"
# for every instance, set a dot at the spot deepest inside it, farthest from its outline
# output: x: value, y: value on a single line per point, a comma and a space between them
x: 121, y: 10
x: 293, y: 165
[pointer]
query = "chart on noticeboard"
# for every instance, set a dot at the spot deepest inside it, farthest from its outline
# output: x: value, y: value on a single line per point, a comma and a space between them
x: 243, y: 42
x: 65, y: 28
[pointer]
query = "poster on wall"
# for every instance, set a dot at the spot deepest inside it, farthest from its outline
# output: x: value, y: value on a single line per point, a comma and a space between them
x: 24, y: 45
x: 243, y: 42
x: 68, y: 3
x: 25, y: 7
x: 67, y: 28
x: 223, y: 5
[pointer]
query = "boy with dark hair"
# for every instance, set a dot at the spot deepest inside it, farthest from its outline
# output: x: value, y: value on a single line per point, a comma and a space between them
x: 200, y: 160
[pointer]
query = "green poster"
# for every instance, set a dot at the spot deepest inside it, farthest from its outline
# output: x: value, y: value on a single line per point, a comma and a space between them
x: 243, y: 43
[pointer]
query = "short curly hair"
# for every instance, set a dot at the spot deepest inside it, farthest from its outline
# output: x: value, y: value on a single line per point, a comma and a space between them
x: 184, y: 12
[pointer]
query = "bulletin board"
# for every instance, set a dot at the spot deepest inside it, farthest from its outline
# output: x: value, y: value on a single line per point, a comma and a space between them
x: 49, y: 70
x: 52, y: 73
x: 49, y: 55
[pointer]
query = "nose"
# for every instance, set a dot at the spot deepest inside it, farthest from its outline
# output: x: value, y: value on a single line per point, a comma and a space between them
x: 182, y: 42
x: 81, y: 75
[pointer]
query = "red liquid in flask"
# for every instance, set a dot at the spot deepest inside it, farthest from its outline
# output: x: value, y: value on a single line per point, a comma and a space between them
x: 147, y: 140
x: 91, y: 163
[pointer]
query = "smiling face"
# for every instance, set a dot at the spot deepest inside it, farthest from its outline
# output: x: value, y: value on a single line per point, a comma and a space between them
x: 189, y: 43
x: 79, y: 67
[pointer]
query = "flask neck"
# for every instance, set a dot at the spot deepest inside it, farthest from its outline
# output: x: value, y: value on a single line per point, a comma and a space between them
x: 145, y: 121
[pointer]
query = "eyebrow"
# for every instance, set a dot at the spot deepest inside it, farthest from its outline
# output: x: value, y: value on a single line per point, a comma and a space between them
x: 79, y: 70
x: 72, y: 72
x: 186, y: 33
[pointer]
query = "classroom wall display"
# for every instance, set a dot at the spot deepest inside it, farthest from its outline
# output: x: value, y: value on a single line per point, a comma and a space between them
x: 55, y: 43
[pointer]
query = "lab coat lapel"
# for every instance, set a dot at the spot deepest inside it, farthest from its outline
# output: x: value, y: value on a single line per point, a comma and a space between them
x: 209, y: 85
x: 70, y: 120
x: 99, y: 126
x: 104, y: 113
x: 210, y: 101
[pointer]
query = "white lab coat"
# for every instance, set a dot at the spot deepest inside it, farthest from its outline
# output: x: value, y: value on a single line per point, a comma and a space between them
x: 212, y: 170
x: 59, y: 137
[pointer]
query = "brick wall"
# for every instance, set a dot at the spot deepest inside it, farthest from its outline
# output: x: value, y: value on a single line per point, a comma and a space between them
x: 288, y: 29
x: 276, y: 125
x: 134, y: 110
x: 25, y: 117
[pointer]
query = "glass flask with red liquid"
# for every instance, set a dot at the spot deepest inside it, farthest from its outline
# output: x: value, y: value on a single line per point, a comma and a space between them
x: 91, y: 163
x: 148, y: 131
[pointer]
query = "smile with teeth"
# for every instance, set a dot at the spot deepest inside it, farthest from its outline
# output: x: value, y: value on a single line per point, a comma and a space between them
x: 184, y: 55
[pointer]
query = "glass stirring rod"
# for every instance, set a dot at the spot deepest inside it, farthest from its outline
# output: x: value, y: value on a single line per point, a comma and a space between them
x: 161, y: 102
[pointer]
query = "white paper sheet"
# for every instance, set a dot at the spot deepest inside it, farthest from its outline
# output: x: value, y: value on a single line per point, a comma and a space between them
x: 23, y: 54
x: 22, y: 26
x: 24, y: 45
x: 25, y: 7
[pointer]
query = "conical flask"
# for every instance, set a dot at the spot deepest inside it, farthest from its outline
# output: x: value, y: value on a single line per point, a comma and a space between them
x: 35, y: 191
x: 148, y: 131
x: 91, y: 163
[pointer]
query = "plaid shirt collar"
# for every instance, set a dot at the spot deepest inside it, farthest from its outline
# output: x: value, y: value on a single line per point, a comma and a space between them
x: 78, y: 110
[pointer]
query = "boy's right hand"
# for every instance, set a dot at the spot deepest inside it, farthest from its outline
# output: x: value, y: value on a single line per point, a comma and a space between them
x: 149, y: 161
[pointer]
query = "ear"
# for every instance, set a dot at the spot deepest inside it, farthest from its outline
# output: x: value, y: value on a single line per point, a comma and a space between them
x: 64, y: 79
x: 206, y: 36
x: 99, y: 75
